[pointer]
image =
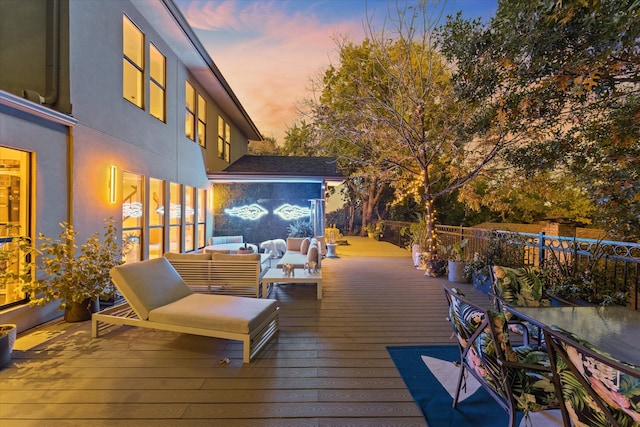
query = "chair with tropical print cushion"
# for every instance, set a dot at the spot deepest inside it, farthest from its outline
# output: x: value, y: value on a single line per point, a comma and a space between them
x: 518, y: 378
x: 523, y: 287
x: 596, y: 389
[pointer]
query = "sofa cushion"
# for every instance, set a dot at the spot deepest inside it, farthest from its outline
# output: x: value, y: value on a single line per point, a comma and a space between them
x: 235, y: 257
x: 312, y: 254
x: 194, y: 257
x: 147, y: 285
x: 304, y: 246
x: 221, y: 312
x: 216, y: 251
x: 293, y: 243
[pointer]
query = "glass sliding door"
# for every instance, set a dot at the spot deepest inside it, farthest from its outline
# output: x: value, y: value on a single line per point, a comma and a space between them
x: 189, y: 218
x: 175, y: 217
x: 132, y: 216
x: 202, y: 216
x: 156, y: 218
x: 15, y: 217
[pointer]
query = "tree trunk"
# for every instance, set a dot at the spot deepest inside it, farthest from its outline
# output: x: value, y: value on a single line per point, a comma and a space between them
x: 432, y: 239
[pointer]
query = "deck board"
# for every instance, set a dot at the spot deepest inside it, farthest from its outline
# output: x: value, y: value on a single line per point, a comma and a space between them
x: 328, y: 365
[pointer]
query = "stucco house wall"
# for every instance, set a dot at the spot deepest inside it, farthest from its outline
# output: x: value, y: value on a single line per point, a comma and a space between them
x: 73, y: 159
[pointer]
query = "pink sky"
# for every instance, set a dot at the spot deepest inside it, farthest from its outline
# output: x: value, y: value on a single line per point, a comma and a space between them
x: 269, y: 50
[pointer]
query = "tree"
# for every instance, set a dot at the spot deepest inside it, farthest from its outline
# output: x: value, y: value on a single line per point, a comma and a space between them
x: 518, y: 197
x: 564, y: 75
x: 389, y: 111
x: 266, y: 147
x: 299, y: 141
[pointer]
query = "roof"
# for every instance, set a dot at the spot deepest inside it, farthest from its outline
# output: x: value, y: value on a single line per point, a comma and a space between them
x: 165, y: 16
x: 280, y: 168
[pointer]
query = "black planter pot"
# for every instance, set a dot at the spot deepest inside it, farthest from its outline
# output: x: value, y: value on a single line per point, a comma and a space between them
x: 79, y: 311
x: 7, y: 340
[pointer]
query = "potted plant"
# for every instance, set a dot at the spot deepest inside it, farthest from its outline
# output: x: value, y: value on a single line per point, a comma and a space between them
x: 456, y: 262
x: 77, y: 276
x: 375, y: 230
x: 582, y: 284
x: 503, y: 248
x: 417, y: 233
x: 371, y: 230
x: 478, y: 271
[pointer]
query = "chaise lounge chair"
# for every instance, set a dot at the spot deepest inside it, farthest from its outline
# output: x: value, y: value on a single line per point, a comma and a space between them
x: 157, y: 297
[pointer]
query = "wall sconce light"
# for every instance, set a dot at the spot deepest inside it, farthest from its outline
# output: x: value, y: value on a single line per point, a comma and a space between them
x: 113, y: 175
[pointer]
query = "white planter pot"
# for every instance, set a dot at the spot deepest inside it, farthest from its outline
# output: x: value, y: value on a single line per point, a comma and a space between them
x: 456, y: 272
x: 415, y: 255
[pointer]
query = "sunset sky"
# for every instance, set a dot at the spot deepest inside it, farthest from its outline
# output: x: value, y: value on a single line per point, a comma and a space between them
x: 268, y: 50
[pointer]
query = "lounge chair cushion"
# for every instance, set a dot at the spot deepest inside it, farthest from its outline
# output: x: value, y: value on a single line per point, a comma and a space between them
x: 149, y: 285
x: 223, y: 312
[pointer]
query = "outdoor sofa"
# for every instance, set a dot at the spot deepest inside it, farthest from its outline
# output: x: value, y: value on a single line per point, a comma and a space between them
x: 303, y: 250
x: 230, y: 244
x: 221, y: 273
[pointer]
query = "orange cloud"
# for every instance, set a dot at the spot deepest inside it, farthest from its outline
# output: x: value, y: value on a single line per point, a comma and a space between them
x: 267, y: 53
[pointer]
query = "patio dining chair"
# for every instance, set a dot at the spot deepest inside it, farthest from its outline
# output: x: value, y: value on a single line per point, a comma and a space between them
x: 518, y: 378
x: 523, y: 287
x: 595, y: 389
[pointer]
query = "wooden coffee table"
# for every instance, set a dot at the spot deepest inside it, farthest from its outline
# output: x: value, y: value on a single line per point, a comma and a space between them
x: 275, y: 275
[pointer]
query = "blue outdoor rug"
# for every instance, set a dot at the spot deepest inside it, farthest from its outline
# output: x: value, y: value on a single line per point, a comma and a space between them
x: 431, y: 377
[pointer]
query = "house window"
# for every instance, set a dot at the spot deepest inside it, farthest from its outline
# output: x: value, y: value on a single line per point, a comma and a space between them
x: 132, y: 63
x: 157, y: 83
x: 15, y: 217
x: 175, y: 217
x: 190, y: 118
x: 202, y: 121
x: 202, y: 217
x: 132, y: 216
x: 156, y: 218
x: 224, y: 139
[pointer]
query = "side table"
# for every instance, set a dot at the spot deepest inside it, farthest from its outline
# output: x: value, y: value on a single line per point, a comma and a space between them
x: 300, y: 275
x: 331, y: 250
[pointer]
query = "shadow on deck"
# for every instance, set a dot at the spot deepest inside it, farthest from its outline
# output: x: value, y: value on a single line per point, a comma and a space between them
x: 328, y: 365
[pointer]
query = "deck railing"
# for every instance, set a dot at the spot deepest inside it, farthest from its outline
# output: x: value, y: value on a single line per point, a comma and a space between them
x: 617, y: 264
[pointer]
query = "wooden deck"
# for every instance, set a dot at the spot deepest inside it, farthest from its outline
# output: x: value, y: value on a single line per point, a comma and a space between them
x: 328, y: 366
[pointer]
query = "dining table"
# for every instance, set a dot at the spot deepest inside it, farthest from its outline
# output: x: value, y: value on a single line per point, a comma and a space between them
x: 613, y: 329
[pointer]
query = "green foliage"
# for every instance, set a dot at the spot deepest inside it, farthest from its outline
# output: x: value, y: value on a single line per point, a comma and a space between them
x: 74, y: 274
x: 456, y: 251
x: 530, y: 198
x: 376, y: 229
x: 299, y: 141
x: 563, y: 79
x: 585, y: 282
x: 417, y: 232
x: 389, y: 112
x: 300, y: 229
x: 267, y: 147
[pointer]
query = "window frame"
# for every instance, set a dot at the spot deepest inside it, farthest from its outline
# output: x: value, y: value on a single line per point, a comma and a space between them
x: 224, y: 140
x: 190, y: 113
x: 154, y: 82
x: 129, y: 61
